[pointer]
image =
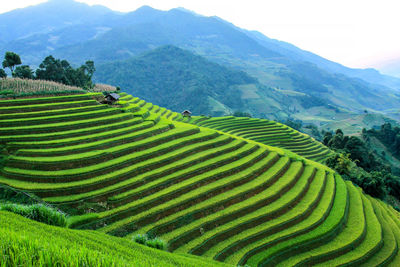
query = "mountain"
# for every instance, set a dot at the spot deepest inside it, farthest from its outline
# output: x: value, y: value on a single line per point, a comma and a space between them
x: 48, y: 17
x: 178, y: 80
x: 290, y: 82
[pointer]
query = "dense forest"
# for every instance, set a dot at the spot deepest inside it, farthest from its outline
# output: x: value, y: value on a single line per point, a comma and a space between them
x: 357, y: 162
x: 177, y: 79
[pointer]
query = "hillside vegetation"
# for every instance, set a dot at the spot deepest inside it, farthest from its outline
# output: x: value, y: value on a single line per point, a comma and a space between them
x: 28, y: 243
x: 177, y: 79
x: 134, y: 168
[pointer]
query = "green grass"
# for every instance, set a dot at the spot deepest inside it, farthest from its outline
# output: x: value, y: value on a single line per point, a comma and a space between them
x: 28, y: 243
x: 172, y: 194
x: 96, y: 141
x: 174, y: 168
x: 326, y: 228
x: 51, y: 112
x: 389, y: 248
x: 369, y: 246
x: 46, y: 100
x: 180, y: 219
x: 37, y: 212
x: 353, y: 233
x: 62, y: 126
x: 267, y: 204
x: 321, y: 184
x: 77, y: 136
x: 42, y: 107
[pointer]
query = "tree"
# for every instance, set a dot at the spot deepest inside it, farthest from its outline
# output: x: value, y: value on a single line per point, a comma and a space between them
x: 89, y: 68
x: 11, y: 60
x: 57, y: 70
x: 3, y: 74
x: 23, y: 72
x: 52, y: 69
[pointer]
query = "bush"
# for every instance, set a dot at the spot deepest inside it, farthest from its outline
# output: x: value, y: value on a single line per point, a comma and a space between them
x: 150, y: 242
x: 141, y: 239
x: 156, y: 243
x: 37, y: 212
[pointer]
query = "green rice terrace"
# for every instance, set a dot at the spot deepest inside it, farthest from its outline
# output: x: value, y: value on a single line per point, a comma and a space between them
x: 267, y: 132
x: 219, y: 191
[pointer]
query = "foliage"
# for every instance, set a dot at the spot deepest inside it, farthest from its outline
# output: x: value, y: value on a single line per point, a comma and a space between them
x: 388, y: 135
x: 357, y: 150
x: 295, y: 124
x: 241, y: 114
x: 11, y: 60
x: 37, y: 212
x: 3, y: 74
x: 23, y: 72
x: 178, y: 80
x: 150, y: 242
x: 60, y: 71
x: 314, y: 131
x: 8, y: 195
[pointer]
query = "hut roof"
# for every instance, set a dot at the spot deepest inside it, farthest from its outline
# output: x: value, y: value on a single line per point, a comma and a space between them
x: 113, y: 96
x: 186, y: 112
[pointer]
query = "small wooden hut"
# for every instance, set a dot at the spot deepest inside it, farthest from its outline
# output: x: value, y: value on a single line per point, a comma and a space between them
x: 112, y: 98
x: 186, y: 113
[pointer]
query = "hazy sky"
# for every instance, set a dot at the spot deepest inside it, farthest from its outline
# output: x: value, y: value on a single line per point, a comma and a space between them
x: 356, y: 33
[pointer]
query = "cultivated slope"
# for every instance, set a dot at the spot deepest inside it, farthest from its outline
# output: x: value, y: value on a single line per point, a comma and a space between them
x: 205, y: 192
x: 267, y: 132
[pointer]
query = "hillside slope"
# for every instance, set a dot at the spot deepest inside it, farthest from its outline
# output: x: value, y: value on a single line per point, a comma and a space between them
x: 132, y: 169
x: 178, y: 80
x: 23, y: 240
x: 269, y: 133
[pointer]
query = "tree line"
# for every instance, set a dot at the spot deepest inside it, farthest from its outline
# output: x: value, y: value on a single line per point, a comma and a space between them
x: 355, y: 161
x: 51, y: 69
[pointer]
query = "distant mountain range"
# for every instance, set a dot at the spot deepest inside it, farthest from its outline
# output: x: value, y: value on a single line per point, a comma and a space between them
x: 275, y: 79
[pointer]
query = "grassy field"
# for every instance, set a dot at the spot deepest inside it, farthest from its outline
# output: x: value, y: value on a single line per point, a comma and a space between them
x: 233, y: 190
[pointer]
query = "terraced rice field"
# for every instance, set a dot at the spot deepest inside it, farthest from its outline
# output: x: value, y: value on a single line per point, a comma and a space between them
x: 267, y: 132
x: 205, y: 192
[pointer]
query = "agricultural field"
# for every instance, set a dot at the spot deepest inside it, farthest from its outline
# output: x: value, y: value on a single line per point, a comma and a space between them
x: 219, y: 188
x: 267, y: 132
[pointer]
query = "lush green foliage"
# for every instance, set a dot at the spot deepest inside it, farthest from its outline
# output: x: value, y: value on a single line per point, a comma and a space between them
x: 23, y: 72
x: 150, y: 242
x: 355, y: 161
x: 3, y: 74
x: 388, y: 135
x: 60, y: 71
x: 11, y: 60
x: 37, y: 212
x: 177, y: 79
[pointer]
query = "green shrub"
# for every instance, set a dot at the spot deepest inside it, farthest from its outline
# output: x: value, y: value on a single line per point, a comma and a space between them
x: 141, y: 239
x: 156, y: 243
x: 150, y: 242
x: 37, y: 212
